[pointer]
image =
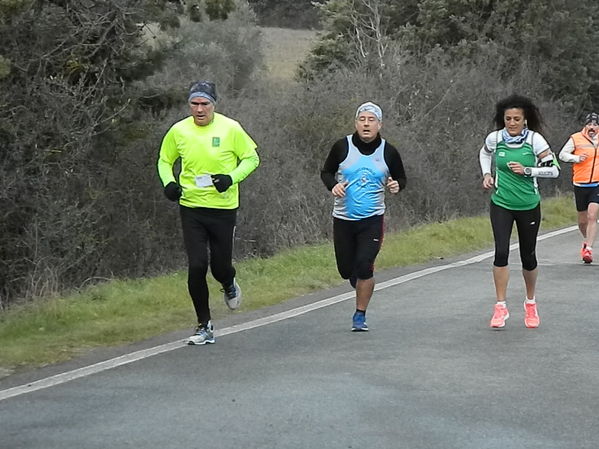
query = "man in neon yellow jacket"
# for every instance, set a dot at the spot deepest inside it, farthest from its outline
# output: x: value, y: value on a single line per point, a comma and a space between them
x: 216, y: 155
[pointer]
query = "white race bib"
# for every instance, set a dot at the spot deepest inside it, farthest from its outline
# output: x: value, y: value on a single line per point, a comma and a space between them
x: 203, y: 181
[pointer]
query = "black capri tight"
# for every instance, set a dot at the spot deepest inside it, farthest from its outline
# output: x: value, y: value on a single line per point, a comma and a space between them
x: 527, y: 224
x: 357, y: 243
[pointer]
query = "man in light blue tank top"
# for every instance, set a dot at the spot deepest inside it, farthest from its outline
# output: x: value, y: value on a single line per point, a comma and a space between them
x: 357, y: 171
x: 364, y: 177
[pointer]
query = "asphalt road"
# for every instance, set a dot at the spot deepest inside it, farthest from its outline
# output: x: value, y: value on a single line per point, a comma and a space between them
x: 430, y: 374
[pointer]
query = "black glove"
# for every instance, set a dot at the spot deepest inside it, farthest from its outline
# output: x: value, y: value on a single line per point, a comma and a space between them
x: 172, y: 191
x: 221, y: 182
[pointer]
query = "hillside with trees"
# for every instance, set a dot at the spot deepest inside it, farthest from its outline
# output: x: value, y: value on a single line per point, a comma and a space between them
x: 88, y: 88
x: 286, y: 14
x: 553, y: 37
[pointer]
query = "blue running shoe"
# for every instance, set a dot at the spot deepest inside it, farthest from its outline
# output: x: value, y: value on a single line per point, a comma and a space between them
x: 359, y: 322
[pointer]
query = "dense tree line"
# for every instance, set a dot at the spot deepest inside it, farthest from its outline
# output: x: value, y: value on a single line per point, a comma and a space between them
x: 88, y: 88
x: 554, y: 35
x: 85, y: 86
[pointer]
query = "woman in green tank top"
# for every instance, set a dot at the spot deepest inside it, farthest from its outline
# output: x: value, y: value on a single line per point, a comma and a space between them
x: 519, y: 154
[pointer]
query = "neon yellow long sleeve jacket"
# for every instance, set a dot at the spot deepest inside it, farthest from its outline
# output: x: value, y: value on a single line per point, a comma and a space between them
x: 222, y: 147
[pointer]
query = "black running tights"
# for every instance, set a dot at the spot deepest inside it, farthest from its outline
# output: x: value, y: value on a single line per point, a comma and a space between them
x: 207, y: 230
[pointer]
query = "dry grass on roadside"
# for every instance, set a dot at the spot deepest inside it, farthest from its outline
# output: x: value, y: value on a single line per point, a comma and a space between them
x: 284, y: 49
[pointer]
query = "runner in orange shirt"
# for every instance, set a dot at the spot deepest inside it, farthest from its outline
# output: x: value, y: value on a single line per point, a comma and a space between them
x: 581, y: 151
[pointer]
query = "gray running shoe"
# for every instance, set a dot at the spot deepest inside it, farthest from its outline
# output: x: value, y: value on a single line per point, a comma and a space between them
x: 204, y: 334
x: 232, y: 295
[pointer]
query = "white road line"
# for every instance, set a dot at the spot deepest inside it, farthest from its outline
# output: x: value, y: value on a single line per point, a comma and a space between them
x: 144, y: 353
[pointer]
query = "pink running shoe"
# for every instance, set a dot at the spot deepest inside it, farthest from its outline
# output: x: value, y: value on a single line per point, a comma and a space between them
x: 587, y: 255
x: 531, y: 317
x: 500, y: 314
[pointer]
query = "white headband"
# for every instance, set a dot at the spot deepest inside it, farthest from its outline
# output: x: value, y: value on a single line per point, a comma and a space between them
x: 370, y: 107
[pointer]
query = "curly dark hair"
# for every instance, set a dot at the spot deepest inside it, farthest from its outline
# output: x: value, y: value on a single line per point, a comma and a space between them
x: 532, y: 115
